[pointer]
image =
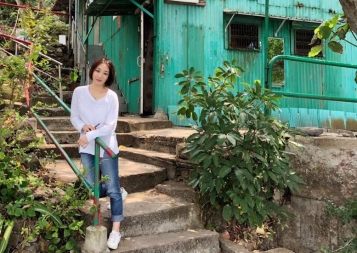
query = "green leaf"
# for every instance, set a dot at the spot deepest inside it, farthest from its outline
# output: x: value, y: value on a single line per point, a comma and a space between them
x: 70, y: 245
x: 227, y: 212
x: 221, y: 139
x: 179, y: 75
x: 194, y: 116
x: 273, y: 176
x: 296, y: 179
x: 218, y: 185
x: 50, y: 213
x: 6, y: 237
x: 224, y: 171
x: 199, y: 157
x: 315, y: 51
x: 66, y: 233
x: 184, y: 90
x: 188, y: 114
x: 31, y: 212
x: 182, y: 111
x: 215, y: 160
x: 211, y: 142
x: 207, y: 162
x: 335, y: 47
x: 232, y: 140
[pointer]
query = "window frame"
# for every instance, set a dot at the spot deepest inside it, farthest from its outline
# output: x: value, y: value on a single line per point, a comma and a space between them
x: 307, y: 27
x: 241, y: 19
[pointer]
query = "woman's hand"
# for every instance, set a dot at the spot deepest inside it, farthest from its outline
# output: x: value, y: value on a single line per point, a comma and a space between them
x: 88, y: 128
x: 83, y: 141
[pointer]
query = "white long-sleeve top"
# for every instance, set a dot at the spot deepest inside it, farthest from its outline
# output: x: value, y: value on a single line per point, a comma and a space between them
x: 103, y: 113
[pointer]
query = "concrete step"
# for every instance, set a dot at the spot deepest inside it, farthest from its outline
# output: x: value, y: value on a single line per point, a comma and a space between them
x: 134, y: 176
x: 161, y: 140
x: 51, y: 111
x: 68, y: 137
x: 46, y: 98
x: 189, y: 241
x: 46, y: 149
x: 174, y: 165
x: 125, y: 124
x: 149, y: 213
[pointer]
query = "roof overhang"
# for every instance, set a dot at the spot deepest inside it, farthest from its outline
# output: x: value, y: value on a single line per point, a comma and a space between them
x: 227, y: 11
x: 113, y: 7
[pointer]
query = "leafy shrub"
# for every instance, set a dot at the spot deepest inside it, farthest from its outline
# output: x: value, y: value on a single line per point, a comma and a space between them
x: 238, y: 148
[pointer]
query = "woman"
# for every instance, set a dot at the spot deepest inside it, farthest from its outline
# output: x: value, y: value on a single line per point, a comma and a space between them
x: 94, y: 113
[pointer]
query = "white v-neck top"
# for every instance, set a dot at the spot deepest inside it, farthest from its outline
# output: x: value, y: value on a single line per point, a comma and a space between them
x: 103, y: 113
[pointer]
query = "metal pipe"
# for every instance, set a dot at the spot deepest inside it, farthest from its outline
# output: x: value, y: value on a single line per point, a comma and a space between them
x: 142, y: 8
x: 34, y: 9
x: 265, y: 43
x: 52, y: 93
x: 281, y: 25
x: 311, y: 96
x: 96, y: 183
x: 313, y: 61
x: 43, y: 55
x: 63, y: 152
x: 229, y: 22
x: 60, y: 82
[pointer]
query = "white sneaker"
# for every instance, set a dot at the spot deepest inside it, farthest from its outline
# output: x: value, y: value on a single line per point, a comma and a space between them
x: 124, y: 193
x: 113, y: 240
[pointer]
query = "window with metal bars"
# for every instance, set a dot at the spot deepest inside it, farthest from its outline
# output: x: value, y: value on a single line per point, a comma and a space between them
x: 243, y: 36
x: 303, y: 42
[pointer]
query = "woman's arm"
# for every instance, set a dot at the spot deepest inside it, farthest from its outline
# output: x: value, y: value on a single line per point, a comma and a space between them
x: 75, y: 117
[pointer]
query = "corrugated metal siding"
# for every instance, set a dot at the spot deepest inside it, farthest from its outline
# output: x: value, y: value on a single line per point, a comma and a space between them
x: 197, y: 39
x: 302, y: 9
x: 121, y: 45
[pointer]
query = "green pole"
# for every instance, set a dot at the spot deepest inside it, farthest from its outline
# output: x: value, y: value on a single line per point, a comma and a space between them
x: 265, y: 43
x: 96, y: 183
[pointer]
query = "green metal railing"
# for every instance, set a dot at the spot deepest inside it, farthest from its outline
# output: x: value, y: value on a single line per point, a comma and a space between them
x: 307, y: 60
x: 98, y: 144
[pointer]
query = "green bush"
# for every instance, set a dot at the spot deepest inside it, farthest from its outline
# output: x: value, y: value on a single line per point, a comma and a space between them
x: 238, y: 147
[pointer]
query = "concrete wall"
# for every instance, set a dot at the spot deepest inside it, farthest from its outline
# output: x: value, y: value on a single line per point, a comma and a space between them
x: 328, y: 165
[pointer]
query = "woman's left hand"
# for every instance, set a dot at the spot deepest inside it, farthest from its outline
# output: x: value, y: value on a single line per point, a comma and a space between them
x: 83, y: 141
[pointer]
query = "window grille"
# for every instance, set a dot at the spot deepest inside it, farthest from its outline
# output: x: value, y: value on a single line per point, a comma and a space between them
x: 303, y: 40
x: 244, y: 36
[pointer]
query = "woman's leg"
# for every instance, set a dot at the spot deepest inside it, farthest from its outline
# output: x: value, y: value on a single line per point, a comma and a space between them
x: 88, y: 167
x: 110, y: 168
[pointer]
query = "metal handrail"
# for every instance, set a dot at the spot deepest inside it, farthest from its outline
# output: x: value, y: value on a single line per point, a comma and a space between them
x: 307, y: 60
x: 60, y: 64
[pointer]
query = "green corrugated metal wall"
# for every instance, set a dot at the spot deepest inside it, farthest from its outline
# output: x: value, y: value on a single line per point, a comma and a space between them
x: 122, y: 47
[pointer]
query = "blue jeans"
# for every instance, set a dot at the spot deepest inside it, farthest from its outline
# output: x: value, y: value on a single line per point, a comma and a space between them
x: 111, y: 187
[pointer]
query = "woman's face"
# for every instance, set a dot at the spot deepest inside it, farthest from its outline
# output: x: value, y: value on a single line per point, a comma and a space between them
x: 100, y: 74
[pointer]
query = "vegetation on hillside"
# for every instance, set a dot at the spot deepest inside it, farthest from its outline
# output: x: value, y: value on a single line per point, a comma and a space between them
x: 46, y: 213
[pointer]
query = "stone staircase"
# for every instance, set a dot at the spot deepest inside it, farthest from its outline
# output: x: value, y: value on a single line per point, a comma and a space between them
x: 160, y: 211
